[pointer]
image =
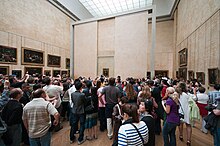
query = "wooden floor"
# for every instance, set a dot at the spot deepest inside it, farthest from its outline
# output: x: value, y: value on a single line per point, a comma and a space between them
x: 61, y: 138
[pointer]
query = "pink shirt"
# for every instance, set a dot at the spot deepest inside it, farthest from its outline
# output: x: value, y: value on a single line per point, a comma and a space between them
x: 102, y: 97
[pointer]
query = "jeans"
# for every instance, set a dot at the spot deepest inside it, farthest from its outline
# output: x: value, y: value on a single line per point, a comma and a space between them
x: 41, y: 141
x: 203, y: 125
x: 169, y: 136
x: 216, y: 137
x: 74, y: 126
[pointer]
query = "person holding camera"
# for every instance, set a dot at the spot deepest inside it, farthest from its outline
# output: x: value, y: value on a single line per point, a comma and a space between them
x: 173, y: 119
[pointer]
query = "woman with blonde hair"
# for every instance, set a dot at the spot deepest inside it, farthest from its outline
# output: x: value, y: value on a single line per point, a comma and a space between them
x: 172, y: 121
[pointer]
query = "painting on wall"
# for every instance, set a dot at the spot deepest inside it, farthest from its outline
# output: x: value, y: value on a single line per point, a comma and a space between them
x: 56, y: 72
x: 183, y: 57
x: 161, y: 73
x: 190, y: 75
x: 67, y: 63
x: 8, y: 55
x: 214, y: 76
x: 47, y: 72
x: 183, y: 74
x: 149, y: 74
x: 18, y: 73
x: 4, y: 70
x: 64, y: 73
x: 32, y: 57
x: 33, y: 70
x: 200, y: 76
x: 177, y: 74
x: 105, y: 72
x: 53, y: 61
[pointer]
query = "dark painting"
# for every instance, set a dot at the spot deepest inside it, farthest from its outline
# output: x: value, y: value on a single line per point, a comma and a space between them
x: 53, y: 61
x: 33, y: 70
x: 190, y: 75
x: 161, y: 73
x: 148, y: 74
x: 47, y: 72
x: 67, y: 63
x: 105, y: 72
x: 214, y: 76
x: 8, y: 54
x: 56, y: 72
x: 32, y: 57
x: 18, y: 73
x: 4, y: 70
x: 200, y: 76
x: 183, y: 74
x: 183, y: 57
x: 177, y: 74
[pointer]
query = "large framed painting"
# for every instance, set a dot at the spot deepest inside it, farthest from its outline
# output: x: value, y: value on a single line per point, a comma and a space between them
x: 4, y: 70
x: 18, y: 73
x: 200, y: 76
x: 161, y: 73
x: 105, y: 72
x: 33, y: 70
x: 32, y: 57
x: 47, y: 72
x: 56, y: 72
x: 183, y: 73
x: 214, y: 76
x: 183, y: 57
x: 8, y: 55
x: 53, y: 61
x: 67, y: 63
x: 190, y: 75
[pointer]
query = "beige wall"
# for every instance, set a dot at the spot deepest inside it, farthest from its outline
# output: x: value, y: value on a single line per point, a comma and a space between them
x: 131, y: 45
x: 199, y: 32
x: 34, y: 24
x: 164, y: 46
x: 123, y: 46
x: 85, y: 50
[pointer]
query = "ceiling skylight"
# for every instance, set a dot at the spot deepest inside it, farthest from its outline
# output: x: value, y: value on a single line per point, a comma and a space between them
x: 100, y: 8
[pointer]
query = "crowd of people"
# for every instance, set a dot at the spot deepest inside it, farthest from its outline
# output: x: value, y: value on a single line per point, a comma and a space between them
x: 131, y: 111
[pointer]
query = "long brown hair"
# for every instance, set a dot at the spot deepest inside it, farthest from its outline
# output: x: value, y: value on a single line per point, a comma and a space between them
x: 145, y: 92
x: 130, y: 93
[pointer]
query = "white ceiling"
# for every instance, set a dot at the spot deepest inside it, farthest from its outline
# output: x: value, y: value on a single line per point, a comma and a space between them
x: 86, y: 9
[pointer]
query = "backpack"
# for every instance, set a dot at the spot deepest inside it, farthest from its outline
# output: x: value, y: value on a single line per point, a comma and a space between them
x: 90, y: 105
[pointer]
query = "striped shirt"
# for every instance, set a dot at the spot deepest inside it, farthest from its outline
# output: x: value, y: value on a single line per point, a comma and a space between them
x: 213, y: 95
x: 37, y: 113
x: 128, y: 135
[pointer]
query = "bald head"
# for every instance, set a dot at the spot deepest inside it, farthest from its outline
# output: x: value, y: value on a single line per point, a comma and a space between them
x: 38, y: 93
x: 16, y: 93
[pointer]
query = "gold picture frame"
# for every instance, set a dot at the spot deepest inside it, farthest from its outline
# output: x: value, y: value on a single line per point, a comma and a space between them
x: 8, y: 55
x: 33, y: 70
x: 32, y: 57
x: 53, y: 60
x: 183, y: 56
x: 4, y: 70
